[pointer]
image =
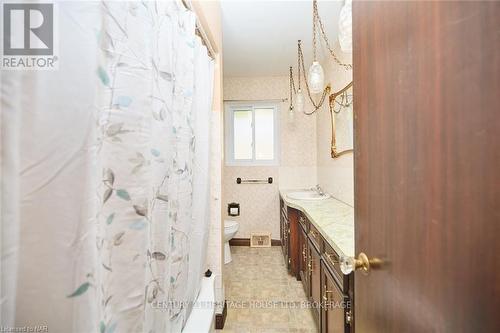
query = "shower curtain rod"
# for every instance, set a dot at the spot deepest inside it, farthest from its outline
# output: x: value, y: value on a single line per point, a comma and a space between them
x: 200, y: 31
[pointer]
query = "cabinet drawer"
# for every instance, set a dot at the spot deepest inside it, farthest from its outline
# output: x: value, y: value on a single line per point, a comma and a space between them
x: 331, y: 259
x: 315, y: 236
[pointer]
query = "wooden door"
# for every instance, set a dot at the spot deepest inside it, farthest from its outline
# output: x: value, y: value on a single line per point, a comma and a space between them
x: 427, y: 165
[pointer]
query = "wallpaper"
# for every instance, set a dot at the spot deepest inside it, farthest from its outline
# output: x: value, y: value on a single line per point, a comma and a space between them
x: 259, y: 204
x: 304, y: 158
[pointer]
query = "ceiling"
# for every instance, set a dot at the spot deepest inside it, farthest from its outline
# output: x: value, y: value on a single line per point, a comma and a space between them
x: 260, y: 37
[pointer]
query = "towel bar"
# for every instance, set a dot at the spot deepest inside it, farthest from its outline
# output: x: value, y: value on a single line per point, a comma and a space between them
x: 254, y: 181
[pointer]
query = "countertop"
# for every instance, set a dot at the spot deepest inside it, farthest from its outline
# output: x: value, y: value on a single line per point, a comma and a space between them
x: 333, y: 218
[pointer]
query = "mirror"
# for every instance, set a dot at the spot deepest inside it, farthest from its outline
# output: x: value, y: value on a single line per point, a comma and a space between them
x: 341, y: 114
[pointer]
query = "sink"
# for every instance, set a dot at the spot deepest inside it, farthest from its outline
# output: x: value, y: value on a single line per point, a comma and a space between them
x: 307, y: 195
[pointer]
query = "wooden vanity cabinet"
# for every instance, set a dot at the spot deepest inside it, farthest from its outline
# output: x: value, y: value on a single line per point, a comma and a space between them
x: 311, y: 259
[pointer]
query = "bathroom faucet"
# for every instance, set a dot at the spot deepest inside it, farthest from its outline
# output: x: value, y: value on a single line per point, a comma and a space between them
x: 319, y: 190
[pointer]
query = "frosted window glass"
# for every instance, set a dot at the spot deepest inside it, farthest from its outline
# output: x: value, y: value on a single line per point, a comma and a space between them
x: 264, y: 134
x: 242, y: 127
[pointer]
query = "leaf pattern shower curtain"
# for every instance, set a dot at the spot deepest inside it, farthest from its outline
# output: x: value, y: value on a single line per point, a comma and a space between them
x: 112, y: 149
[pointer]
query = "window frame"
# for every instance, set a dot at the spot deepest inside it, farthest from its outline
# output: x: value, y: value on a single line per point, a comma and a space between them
x: 229, y: 109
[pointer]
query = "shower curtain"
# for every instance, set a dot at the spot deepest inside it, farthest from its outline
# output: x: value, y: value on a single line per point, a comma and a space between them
x: 104, y: 166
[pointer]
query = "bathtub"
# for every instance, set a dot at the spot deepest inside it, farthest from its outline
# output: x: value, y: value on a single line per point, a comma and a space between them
x: 202, y: 317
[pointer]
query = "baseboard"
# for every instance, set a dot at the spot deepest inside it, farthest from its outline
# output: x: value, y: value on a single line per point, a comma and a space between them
x: 246, y: 242
x: 220, y: 318
x: 275, y: 242
x: 239, y: 242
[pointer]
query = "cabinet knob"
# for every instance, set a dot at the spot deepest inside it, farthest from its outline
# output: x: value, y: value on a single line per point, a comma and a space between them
x: 362, y: 263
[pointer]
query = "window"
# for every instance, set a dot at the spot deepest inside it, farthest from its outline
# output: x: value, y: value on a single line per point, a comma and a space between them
x: 252, y: 134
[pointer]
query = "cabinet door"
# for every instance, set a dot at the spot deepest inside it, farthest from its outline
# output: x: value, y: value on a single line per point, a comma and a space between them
x: 286, y: 243
x: 304, y: 273
x: 315, y: 275
x: 335, y: 306
x: 284, y: 236
x: 282, y: 229
x: 294, y: 242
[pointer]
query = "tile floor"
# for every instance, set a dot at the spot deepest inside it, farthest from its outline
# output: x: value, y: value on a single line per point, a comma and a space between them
x: 261, y: 296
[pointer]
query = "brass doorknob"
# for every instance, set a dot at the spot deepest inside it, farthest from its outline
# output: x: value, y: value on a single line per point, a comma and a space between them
x: 362, y: 263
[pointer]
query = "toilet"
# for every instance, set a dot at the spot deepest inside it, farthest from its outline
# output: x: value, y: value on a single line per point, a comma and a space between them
x: 230, y: 229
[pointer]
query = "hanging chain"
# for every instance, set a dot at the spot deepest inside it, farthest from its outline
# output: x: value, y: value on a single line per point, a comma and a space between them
x: 298, y: 62
x: 326, y: 91
x: 345, y: 102
x: 317, y: 20
x: 292, y: 89
x: 315, y: 14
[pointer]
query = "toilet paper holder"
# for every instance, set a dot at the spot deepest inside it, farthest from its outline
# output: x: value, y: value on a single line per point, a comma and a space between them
x: 233, y: 209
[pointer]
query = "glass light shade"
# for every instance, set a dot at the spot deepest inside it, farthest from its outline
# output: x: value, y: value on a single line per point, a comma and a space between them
x: 299, y: 101
x: 316, y: 78
x: 345, y: 27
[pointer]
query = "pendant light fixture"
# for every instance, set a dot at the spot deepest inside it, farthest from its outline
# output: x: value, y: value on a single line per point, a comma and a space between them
x: 316, y: 77
x: 345, y: 27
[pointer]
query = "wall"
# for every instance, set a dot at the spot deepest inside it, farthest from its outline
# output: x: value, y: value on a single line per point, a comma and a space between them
x: 304, y: 158
x: 336, y: 176
x: 209, y: 15
x: 260, y: 203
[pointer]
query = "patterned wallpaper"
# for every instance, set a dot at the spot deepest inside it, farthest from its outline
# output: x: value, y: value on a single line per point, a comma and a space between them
x: 259, y: 204
x: 305, y: 154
